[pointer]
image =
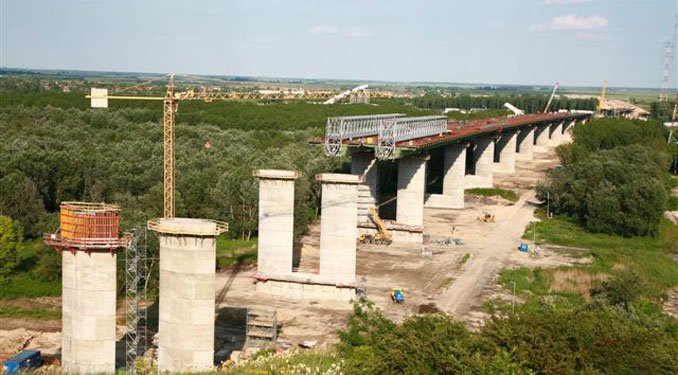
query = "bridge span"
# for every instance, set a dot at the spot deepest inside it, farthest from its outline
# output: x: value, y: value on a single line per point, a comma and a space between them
x: 408, y: 163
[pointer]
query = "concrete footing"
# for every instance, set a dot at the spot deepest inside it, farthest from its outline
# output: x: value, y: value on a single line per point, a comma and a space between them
x: 88, y: 315
x: 306, y: 291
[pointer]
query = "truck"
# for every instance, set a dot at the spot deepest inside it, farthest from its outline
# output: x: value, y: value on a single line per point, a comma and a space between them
x: 27, y: 359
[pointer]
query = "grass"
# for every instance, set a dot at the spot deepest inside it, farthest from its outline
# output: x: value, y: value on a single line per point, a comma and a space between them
x: 509, y: 195
x: 611, y: 254
x: 25, y: 282
x: 299, y: 362
x: 463, y: 260
x: 235, y: 251
x: 8, y: 311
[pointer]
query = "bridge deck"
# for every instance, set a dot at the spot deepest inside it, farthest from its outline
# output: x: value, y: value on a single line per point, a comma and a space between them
x: 458, y: 132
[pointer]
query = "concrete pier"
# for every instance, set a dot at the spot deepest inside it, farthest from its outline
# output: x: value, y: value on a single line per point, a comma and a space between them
x: 411, y: 188
x: 276, y: 221
x: 368, y: 194
x: 88, y: 315
x: 506, y: 149
x: 454, y: 165
x: 568, y: 127
x: 186, y: 307
x: 483, y: 157
x: 338, y: 227
x: 556, y: 134
x: 541, y: 136
x: 525, y: 144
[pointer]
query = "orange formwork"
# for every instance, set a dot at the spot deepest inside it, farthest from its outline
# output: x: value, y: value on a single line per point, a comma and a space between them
x: 88, y: 226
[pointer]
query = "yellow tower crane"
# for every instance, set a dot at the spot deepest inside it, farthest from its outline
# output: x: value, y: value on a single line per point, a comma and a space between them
x: 99, y: 99
x: 602, y: 102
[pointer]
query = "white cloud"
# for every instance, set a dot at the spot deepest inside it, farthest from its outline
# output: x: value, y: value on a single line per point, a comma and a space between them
x: 573, y: 22
x: 358, y: 32
x: 323, y: 29
x: 549, y: 2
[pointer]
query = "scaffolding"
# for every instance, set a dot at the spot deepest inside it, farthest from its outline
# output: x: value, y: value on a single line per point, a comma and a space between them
x: 136, y: 275
x: 262, y: 327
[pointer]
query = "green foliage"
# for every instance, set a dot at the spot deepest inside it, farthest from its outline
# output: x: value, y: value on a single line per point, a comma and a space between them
x: 235, y: 251
x: 644, y: 256
x: 9, y: 311
x: 623, y: 290
x: 614, y: 177
x: 10, y: 240
x: 509, y: 195
x: 428, y: 344
x: 590, y: 339
x: 528, y: 103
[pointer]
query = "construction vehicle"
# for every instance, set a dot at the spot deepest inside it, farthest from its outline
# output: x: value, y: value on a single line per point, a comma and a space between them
x: 486, y: 218
x: 383, y: 236
x: 398, y: 295
x: 26, y: 360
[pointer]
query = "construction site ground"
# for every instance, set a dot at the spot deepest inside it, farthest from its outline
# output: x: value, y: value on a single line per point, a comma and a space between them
x: 440, y: 277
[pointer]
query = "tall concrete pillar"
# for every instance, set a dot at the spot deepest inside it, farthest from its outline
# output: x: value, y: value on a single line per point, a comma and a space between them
x: 567, y: 131
x: 186, y: 307
x: 483, y: 157
x: 541, y: 135
x: 525, y: 143
x: 411, y: 189
x: 88, y: 317
x: 276, y: 221
x: 338, y: 227
x: 507, y: 152
x: 368, y: 194
x: 453, y: 178
x: 556, y: 134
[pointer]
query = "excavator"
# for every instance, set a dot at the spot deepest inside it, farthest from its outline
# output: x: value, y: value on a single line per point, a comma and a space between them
x: 383, y: 236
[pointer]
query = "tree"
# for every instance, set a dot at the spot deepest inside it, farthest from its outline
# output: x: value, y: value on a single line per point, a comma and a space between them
x: 10, y: 239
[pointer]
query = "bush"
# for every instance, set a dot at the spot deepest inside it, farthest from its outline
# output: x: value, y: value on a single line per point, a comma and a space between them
x: 10, y: 240
x: 622, y: 291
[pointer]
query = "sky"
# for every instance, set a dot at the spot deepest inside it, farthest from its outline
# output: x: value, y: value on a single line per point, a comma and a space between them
x: 575, y: 42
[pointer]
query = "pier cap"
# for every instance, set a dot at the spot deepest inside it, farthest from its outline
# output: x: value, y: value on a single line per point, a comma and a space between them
x: 188, y: 227
x: 276, y: 174
x: 339, y: 178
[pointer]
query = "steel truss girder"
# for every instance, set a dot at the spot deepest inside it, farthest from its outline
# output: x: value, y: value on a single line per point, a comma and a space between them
x: 402, y: 129
x: 348, y: 127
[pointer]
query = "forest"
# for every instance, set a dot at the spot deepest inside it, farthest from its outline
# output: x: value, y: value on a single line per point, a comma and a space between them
x: 530, y: 103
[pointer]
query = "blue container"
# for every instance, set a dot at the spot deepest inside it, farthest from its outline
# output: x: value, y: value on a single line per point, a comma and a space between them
x: 523, y: 247
x: 28, y: 359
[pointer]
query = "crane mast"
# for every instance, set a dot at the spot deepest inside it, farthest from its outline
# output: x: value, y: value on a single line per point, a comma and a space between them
x: 169, y: 119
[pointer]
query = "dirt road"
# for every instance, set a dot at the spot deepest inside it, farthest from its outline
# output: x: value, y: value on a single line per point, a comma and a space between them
x: 489, y: 252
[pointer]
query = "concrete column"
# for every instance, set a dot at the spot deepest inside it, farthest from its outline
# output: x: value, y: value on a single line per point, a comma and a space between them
x: 276, y: 221
x: 483, y: 157
x: 411, y: 189
x: 88, y: 316
x: 368, y: 193
x: 541, y: 135
x: 556, y: 134
x: 525, y: 143
x: 507, y: 152
x: 338, y: 227
x: 567, y: 131
x: 186, y: 309
x: 454, y: 177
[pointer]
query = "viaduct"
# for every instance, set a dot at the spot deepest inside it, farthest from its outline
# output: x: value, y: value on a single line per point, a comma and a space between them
x: 431, y: 162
